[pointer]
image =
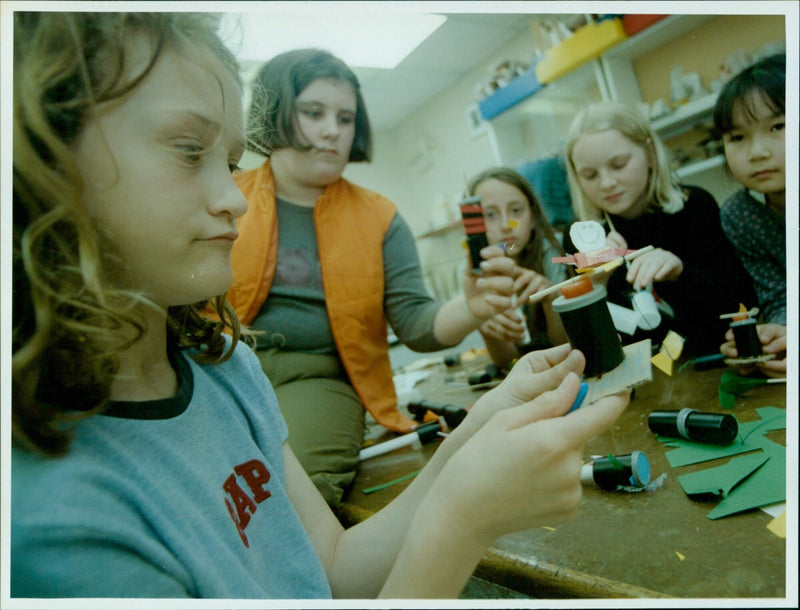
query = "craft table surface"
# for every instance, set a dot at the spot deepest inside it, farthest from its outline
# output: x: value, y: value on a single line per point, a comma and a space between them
x: 649, y: 544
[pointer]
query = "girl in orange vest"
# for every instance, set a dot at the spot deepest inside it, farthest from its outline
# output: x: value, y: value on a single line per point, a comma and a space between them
x: 322, y: 264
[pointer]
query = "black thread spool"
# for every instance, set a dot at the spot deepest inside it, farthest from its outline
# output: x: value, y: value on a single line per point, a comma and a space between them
x: 632, y: 470
x: 714, y: 428
x: 479, y: 378
x: 748, y: 345
x: 589, y: 327
x: 475, y: 228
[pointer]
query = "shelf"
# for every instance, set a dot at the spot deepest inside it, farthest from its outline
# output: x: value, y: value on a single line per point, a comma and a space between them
x: 656, y: 35
x: 698, y: 167
x: 562, y: 94
x: 685, y: 117
x: 588, y: 42
x: 520, y: 88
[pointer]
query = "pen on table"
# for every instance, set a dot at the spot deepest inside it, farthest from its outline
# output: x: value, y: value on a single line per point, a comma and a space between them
x: 424, y: 433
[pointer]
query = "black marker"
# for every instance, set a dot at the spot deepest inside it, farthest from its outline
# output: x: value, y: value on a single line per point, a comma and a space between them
x: 609, y: 473
x: 715, y: 428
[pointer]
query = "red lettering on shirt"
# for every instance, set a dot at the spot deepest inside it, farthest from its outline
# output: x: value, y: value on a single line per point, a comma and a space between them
x: 243, y: 506
x: 256, y: 476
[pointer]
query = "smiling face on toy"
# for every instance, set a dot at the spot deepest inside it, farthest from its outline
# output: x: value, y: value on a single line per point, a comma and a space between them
x: 588, y: 236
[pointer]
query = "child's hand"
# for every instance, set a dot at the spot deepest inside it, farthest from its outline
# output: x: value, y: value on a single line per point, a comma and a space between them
x: 522, y: 468
x: 773, y: 341
x: 528, y: 282
x: 728, y: 349
x: 490, y: 293
x: 506, y: 326
x: 656, y: 266
x: 535, y: 373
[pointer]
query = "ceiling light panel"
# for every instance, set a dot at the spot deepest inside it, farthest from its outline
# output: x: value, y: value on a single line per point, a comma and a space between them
x: 365, y: 40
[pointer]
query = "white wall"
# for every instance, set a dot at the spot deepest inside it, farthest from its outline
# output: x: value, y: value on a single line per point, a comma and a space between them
x: 421, y: 165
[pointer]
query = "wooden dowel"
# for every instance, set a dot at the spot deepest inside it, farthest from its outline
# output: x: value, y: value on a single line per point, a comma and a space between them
x: 638, y: 253
x: 608, y: 221
x: 750, y: 314
x: 555, y: 288
x: 604, y: 268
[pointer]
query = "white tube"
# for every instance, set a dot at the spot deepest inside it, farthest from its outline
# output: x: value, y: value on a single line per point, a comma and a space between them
x: 587, y: 474
x: 410, y: 439
x: 645, y: 305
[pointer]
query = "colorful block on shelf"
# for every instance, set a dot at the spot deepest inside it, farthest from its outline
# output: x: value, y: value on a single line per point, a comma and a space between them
x: 513, y: 93
x: 588, y: 42
x: 636, y: 23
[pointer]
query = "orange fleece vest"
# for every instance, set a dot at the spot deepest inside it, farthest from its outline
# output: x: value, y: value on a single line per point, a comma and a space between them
x: 351, y: 223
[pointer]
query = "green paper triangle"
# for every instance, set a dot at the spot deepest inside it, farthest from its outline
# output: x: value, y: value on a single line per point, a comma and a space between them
x: 722, y: 479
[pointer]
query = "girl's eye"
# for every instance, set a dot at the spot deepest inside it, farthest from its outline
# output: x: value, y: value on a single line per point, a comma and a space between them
x: 778, y: 126
x: 312, y: 112
x: 619, y: 163
x: 588, y: 175
x: 346, y: 119
x: 191, y: 152
x: 734, y: 137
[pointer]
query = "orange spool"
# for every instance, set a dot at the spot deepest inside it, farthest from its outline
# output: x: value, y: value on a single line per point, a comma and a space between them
x: 582, y: 286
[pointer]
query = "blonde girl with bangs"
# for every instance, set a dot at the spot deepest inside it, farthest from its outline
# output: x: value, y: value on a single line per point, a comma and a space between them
x: 620, y: 174
x: 149, y: 456
x: 662, y: 191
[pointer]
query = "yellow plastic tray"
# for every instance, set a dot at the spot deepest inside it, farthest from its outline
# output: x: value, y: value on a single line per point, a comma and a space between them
x: 588, y: 42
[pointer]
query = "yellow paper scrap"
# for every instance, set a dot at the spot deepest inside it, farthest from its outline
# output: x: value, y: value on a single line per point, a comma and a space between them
x: 670, y: 351
x: 547, y: 527
x: 662, y: 362
x: 778, y: 525
x: 672, y: 345
x: 681, y: 556
x: 604, y: 268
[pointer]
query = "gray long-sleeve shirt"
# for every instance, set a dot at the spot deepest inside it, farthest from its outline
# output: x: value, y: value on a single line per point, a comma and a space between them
x: 294, y: 316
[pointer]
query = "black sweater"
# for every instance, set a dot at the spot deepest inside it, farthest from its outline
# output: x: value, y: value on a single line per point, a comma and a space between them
x: 713, y: 281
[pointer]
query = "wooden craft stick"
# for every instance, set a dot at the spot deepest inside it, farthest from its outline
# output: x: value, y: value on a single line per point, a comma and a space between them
x: 638, y: 253
x: 605, y: 268
x: 750, y: 314
x: 555, y: 288
x: 608, y: 220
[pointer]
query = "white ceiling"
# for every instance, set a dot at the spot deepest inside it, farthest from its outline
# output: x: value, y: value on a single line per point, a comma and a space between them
x: 463, y: 42
x: 460, y: 44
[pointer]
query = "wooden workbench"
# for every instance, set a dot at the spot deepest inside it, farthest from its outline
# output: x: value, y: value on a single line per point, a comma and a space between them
x: 656, y: 543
